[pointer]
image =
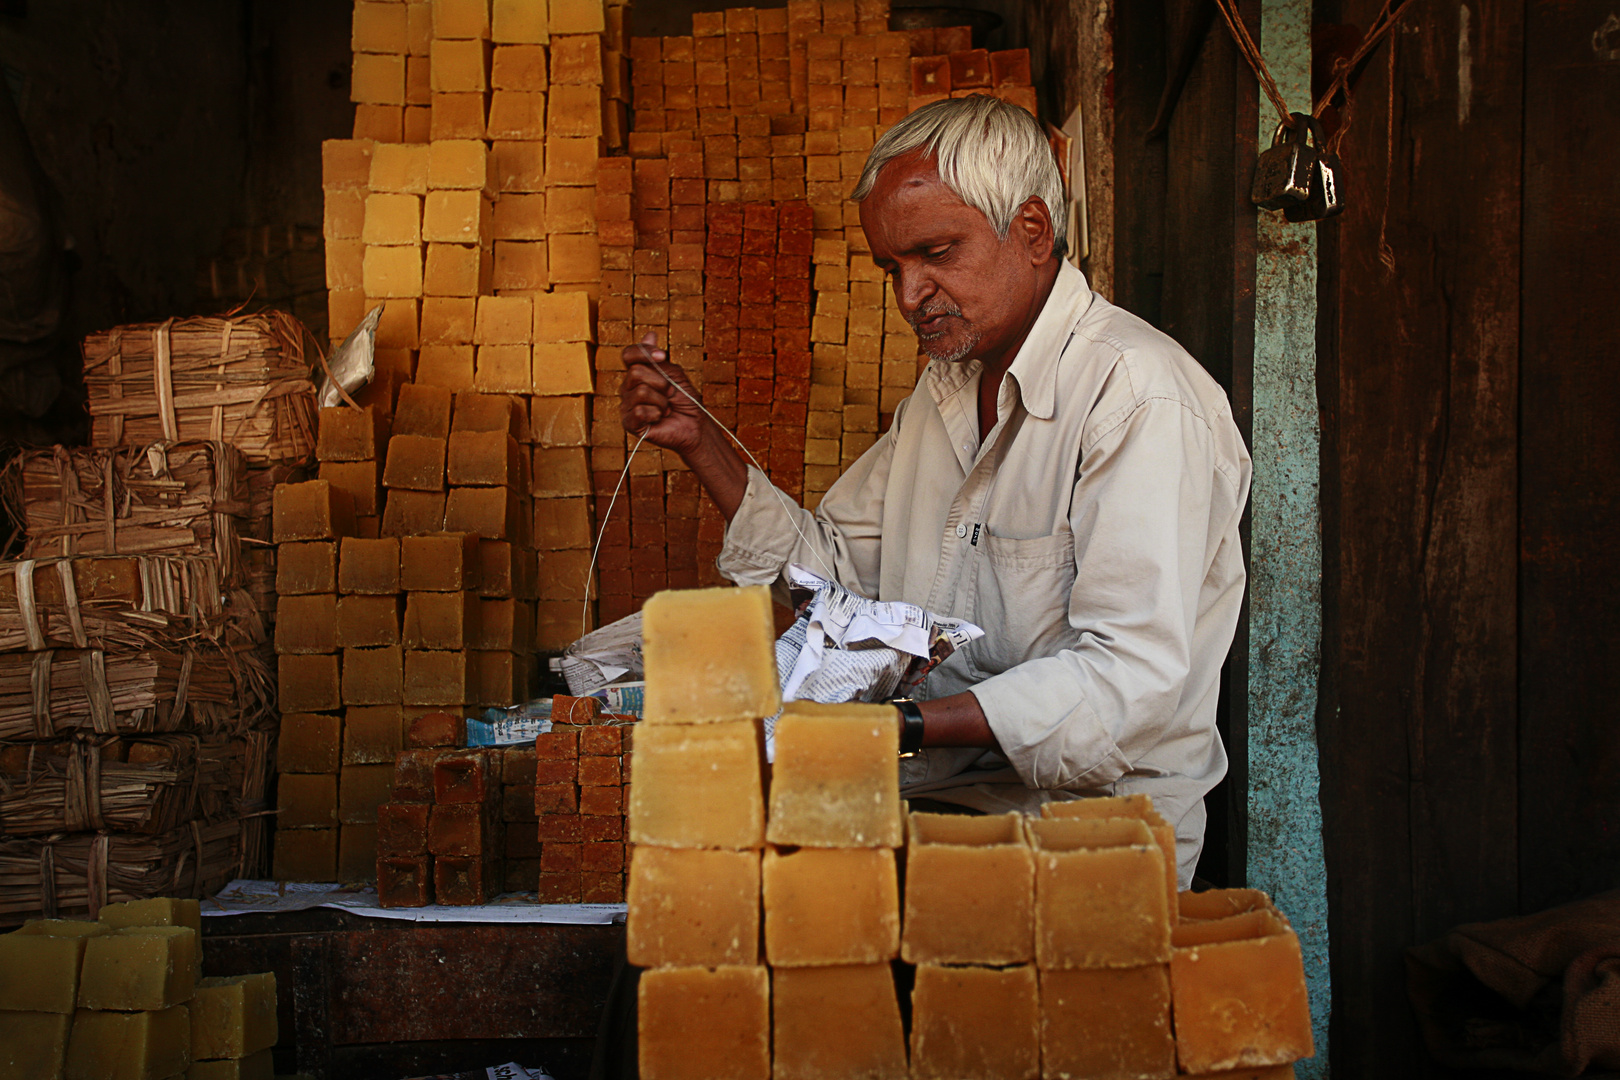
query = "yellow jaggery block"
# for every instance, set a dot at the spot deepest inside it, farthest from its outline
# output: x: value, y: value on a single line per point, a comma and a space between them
x: 1219, y: 903
x: 834, y: 782
x: 259, y: 1066
x: 826, y: 906
x: 460, y: 163
x: 1128, y: 806
x: 40, y: 962
x: 970, y: 891
x: 139, y: 967
x: 463, y: 19
x: 156, y: 911
x: 459, y: 67
x: 392, y: 218
x: 830, y: 1023
x: 696, y: 675
x: 704, y: 1023
x: 561, y: 368
x: 1109, y: 1023
x: 698, y: 786
x: 394, y: 271
x: 1099, y: 894
x: 233, y: 1016
x: 456, y: 217
x: 33, y: 1045
x: 519, y: 22
x: 152, y: 1045
x: 975, y: 1022
x: 693, y: 908
x: 399, y: 167
x: 1241, y: 1003
x: 563, y: 317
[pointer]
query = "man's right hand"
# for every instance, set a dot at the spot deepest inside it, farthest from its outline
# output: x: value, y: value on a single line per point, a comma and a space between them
x: 647, y: 402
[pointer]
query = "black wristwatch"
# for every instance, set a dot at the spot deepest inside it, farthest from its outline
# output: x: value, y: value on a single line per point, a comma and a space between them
x: 911, y: 725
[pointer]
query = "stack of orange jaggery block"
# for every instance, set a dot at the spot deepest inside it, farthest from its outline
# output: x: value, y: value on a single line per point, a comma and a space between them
x: 441, y: 837
x: 581, y: 776
x: 1039, y: 947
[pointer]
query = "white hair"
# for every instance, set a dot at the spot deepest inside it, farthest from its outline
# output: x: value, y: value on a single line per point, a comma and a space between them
x: 991, y: 154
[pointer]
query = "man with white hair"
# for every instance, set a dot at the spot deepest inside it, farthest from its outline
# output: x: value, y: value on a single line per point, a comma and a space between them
x: 1064, y: 475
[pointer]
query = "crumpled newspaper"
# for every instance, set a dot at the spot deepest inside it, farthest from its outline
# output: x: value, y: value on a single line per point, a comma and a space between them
x: 606, y: 655
x: 843, y: 647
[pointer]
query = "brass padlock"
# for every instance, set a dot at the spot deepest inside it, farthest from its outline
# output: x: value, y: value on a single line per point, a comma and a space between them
x: 1282, y: 176
x: 1327, y: 194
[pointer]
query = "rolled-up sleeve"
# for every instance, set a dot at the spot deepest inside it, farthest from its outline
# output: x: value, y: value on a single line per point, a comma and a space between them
x: 1141, y: 518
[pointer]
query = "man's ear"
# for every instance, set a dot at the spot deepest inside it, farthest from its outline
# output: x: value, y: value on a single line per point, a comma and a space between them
x: 1034, y: 222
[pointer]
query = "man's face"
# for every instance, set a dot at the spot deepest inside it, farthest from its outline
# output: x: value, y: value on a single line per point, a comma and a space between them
x: 966, y: 292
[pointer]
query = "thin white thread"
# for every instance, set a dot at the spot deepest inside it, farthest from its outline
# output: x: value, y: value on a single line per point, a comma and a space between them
x: 787, y: 507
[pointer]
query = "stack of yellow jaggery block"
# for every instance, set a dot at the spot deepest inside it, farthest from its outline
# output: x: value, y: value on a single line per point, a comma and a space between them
x: 1051, y: 947
x: 120, y: 999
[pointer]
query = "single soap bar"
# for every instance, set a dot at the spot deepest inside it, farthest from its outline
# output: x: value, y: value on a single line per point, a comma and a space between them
x: 698, y: 786
x: 369, y: 566
x: 1241, y: 1003
x: 39, y: 964
x: 709, y: 656
x: 309, y: 567
x: 441, y: 620
x: 831, y: 1023
x: 156, y: 911
x: 975, y: 1022
x: 700, y: 1023
x: 830, y: 906
x: 1108, y: 1023
x: 405, y: 882
x: 309, y: 743
x: 306, y: 624
x: 256, y: 1066
x: 233, y: 1016
x: 445, y: 562
x: 33, y: 1045
x: 402, y: 829
x: 350, y: 434
x: 361, y: 789
x: 693, y: 908
x: 368, y: 622
x: 372, y: 734
x: 306, y: 800
x: 1099, y: 894
x: 151, y: 1045
x: 415, y: 462
x: 835, y: 782
x: 970, y: 891
x: 311, y: 510
x: 139, y: 967
x: 306, y: 854
x: 1129, y: 806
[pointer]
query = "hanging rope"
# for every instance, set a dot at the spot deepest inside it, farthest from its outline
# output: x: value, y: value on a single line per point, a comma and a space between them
x: 1251, y: 53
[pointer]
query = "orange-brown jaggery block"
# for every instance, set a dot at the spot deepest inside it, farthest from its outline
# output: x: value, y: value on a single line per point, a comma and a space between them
x: 695, y: 675
x: 372, y: 734
x: 601, y: 801
x: 370, y: 567
x: 490, y: 413
x: 440, y: 620
x: 310, y: 567
x: 361, y: 789
x: 311, y: 510
x: 501, y: 568
x: 809, y: 1005
x: 491, y: 513
x: 602, y: 741
x: 415, y: 462
x: 604, y: 888
x: 834, y: 782
x: 402, y: 829
x: 413, y: 771
x: 1238, y: 994
x: 693, y: 908
x: 33, y: 1045
x: 438, y: 677
x: 368, y: 622
x: 600, y: 772
x: 1099, y: 894
x: 308, y: 683
x: 372, y: 676
x: 975, y: 1021
x: 1220, y: 903
x: 830, y: 906
x: 484, y: 459
x: 309, y: 743
x: 698, y: 785
x: 699, y: 1023
x: 306, y: 800
x: 362, y: 480
x: 434, y: 730
x: 1107, y: 1022
x: 463, y: 881
x: 575, y: 710
x: 465, y: 778
x: 306, y: 624
x: 1128, y: 806
x: 349, y: 434
x: 139, y: 967
x: 357, y: 851
x: 413, y: 513
x: 445, y: 562
x: 306, y: 854
x: 39, y: 965
x: 135, y: 1045
x: 405, y: 882
x: 459, y: 829
x: 970, y: 891
x: 423, y: 410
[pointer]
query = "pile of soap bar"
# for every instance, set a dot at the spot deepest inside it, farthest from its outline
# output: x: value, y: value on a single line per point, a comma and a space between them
x: 1050, y: 947
x: 120, y: 999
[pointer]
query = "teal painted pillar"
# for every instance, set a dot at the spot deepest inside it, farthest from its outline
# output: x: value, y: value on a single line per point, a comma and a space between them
x: 1285, y: 584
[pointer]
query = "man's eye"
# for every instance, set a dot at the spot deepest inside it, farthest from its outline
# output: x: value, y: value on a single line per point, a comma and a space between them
x: 939, y: 252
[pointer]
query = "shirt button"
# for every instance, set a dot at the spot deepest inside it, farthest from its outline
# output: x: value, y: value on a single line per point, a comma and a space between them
x: 961, y: 531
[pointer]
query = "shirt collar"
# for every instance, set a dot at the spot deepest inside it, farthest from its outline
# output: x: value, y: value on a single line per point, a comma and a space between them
x: 1034, y: 369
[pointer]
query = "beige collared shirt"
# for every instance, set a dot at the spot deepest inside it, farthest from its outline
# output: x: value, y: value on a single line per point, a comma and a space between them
x: 1093, y: 534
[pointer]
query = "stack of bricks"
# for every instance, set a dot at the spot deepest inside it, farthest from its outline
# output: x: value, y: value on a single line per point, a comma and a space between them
x: 440, y: 840
x: 580, y: 778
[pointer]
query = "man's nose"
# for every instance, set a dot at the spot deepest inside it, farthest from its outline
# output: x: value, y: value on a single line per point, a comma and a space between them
x: 912, y: 289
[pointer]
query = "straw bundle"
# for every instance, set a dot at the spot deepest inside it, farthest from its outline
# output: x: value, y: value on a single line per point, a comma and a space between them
x: 80, y: 873
x: 201, y: 688
x: 243, y: 380
x: 181, y: 498
x: 121, y: 601
x: 147, y: 786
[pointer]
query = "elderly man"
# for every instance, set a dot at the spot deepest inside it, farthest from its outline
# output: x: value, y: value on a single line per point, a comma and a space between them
x: 1064, y: 475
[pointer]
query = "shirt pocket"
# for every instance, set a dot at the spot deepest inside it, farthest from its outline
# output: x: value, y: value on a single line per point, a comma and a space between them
x: 1021, y: 600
